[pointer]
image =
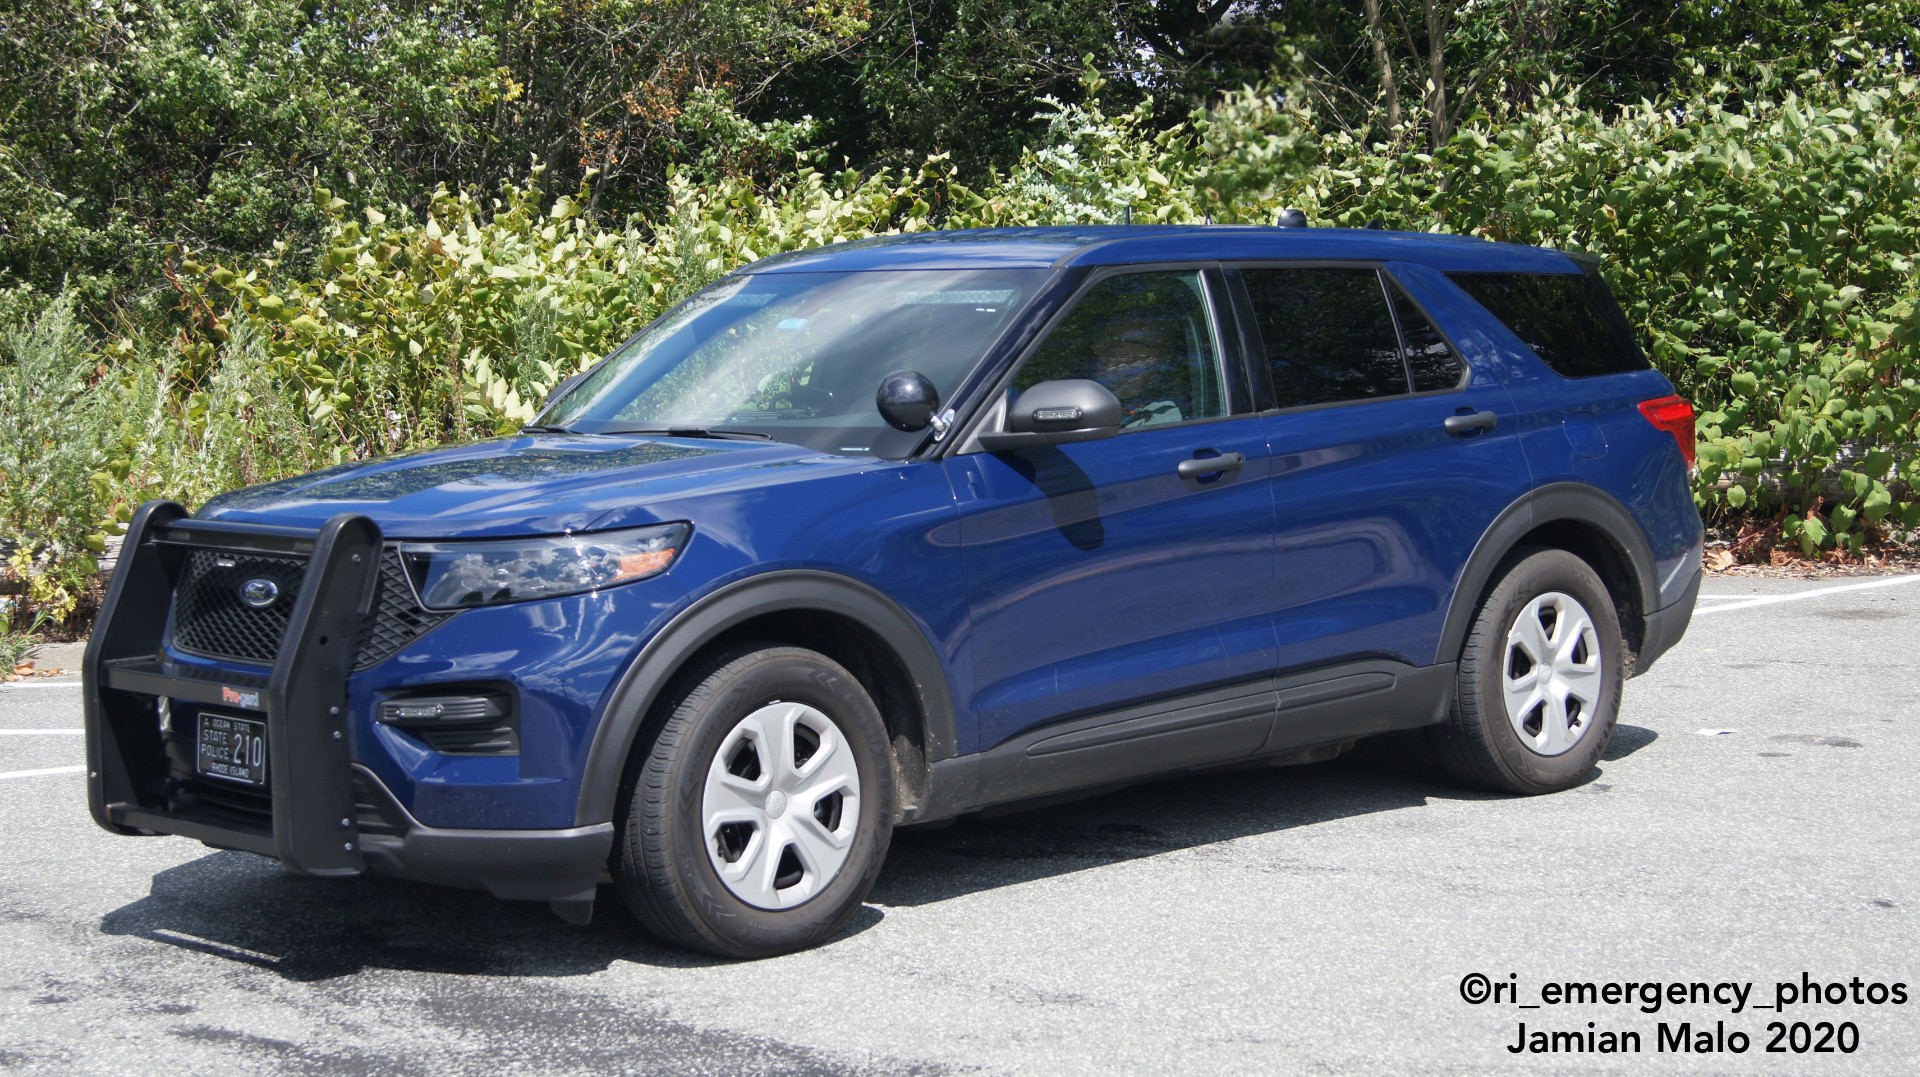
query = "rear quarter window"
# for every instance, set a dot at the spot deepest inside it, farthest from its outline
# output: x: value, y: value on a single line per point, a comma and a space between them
x: 1570, y: 320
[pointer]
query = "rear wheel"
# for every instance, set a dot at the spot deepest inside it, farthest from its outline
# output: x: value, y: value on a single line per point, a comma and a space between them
x: 761, y: 814
x: 1538, y: 687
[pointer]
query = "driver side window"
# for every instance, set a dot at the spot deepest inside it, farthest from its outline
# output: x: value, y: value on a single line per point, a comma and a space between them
x: 1148, y: 338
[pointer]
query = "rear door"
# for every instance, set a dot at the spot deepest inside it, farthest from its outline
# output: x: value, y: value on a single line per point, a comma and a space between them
x: 1097, y: 576
x: 1379, y: 498
x: 1579, y: 404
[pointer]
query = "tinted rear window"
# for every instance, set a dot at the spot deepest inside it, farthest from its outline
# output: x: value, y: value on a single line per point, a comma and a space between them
x: 1429, y: 359
x: 1570, y: 320
x: 1327, y: 333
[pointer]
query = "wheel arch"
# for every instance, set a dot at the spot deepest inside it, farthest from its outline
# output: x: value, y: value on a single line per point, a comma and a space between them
x: 847, y: 620
x: 1586, y: 522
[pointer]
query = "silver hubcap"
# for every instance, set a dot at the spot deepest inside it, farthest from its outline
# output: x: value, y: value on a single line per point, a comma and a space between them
x: 1551, y: 677
x: 781, y: 806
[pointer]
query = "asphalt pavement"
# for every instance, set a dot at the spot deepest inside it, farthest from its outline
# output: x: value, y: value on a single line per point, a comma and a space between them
x: 1754, y: 823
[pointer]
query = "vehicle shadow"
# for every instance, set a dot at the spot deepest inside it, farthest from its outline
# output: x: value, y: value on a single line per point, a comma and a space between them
x: 250, y: 910
x: 986, y: 851
x: 1393, y: 772
x: 1627, y: 739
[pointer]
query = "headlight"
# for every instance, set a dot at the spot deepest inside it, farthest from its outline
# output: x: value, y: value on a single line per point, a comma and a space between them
x: 454, y: 575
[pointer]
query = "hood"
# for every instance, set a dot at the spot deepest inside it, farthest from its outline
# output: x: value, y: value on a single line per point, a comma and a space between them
x: 524, y: 485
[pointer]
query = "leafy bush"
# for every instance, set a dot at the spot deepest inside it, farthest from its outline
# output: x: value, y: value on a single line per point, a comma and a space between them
x: 1766, y: 252
x: 50, y: 455
x: 426, y: 331
x: 1762, y: 231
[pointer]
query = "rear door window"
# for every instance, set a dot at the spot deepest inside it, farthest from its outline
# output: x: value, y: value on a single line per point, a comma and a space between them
x: 1570, y: 320
x: 1327, y: 334
x: 1335, y: 334
x: 1430, y: 360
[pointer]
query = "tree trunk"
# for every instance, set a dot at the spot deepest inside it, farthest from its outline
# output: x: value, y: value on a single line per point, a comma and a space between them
x: 1377, y: 35
x: 1439, y: 18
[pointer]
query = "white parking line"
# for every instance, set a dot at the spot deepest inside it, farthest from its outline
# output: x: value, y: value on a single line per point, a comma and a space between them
x: 47, y: 684
x: 1768, y: 600
x: 43, y: 732
x: 81, y: 769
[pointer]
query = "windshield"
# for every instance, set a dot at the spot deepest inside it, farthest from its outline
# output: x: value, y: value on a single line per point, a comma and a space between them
x: 797, y: 357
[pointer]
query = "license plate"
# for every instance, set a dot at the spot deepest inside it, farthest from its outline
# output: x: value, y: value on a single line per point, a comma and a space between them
x: 232, y: 748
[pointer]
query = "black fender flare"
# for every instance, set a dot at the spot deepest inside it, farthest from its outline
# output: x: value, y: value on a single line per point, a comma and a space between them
x: 1559, y: 501
x: 785, y: 591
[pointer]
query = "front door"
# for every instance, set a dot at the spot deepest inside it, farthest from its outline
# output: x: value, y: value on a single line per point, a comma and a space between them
x: 1098, y: 576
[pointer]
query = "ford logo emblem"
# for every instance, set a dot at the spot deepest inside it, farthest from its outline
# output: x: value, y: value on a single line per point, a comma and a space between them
x: 259, y: 592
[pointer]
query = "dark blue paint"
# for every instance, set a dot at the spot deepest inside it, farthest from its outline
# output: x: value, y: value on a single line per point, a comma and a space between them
x: 558, y: 654
x: 1134, y: 244
x: 1096, y: 576
x: 1050, y: 582
x: 1379, y: 509
x: 1639, y: 464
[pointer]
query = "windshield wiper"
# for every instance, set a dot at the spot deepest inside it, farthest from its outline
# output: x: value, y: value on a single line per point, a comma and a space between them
x: 537, y: 428
x: 691, y: 432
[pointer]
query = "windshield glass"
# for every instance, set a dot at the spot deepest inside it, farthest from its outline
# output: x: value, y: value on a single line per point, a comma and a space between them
x: 797, y: 356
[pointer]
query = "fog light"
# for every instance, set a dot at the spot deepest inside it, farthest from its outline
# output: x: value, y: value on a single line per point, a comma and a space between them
x: 449, y: 708
x: 478, y: 721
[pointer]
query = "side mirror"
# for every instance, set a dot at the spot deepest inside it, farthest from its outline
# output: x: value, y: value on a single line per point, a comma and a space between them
x: 907, y: 400
x: 560, y: 390
x: 1057, y: 413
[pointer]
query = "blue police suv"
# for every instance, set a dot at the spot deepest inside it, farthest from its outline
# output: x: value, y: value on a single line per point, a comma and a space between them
x: 891, y: 531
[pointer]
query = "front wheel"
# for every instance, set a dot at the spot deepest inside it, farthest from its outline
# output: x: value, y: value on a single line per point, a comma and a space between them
x: 760, y: 816
x: 1538, y: 687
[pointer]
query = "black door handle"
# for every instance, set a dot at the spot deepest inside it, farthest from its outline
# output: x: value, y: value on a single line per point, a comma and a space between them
x: 1201, y: 466
x: 1462, y: 425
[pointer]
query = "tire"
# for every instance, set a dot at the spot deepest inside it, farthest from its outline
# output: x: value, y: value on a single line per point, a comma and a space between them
x: 1503, y: 731
x: 712, y: 763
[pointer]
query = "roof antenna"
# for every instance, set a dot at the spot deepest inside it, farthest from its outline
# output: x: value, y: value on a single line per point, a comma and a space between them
x: 1291, y: 218
x: 1209, y: 217
x: 1128, y: 219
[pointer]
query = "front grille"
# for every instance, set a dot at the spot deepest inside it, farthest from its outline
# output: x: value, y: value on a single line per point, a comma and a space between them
x: 374, y: 813
x: 398, y: 618
x: 210, y: 620
x: 221, y: 802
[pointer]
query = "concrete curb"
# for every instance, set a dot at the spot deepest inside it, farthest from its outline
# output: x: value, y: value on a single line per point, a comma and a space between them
x: 62, y: 656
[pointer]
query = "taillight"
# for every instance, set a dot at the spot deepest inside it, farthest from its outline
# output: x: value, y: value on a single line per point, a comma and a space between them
x: 1674, y: 414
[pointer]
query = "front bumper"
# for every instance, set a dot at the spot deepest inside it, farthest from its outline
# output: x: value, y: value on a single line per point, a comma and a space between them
x: 521, y: 865
x: 321, y: 813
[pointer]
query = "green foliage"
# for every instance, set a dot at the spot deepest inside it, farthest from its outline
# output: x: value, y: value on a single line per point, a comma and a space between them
x: 382, y: 346
x: 14, y: 645
x: 238, y: 425
x: 50, y: 455
x: 1760, y: 221
x: 126, y: 127
x: 419, y: 332
x: 1766, y: 252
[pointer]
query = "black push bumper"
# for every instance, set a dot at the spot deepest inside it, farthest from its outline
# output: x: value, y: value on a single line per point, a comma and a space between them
x: 320, y: 814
